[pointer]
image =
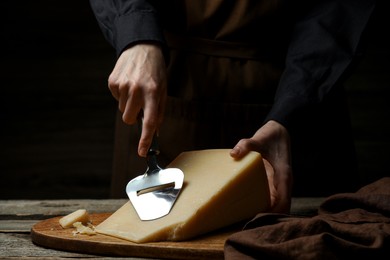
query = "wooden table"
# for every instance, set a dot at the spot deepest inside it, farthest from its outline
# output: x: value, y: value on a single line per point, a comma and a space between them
x: 18, y: 216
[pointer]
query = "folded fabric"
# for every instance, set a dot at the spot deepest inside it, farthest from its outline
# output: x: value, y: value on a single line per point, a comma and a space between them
x: 347, y: 226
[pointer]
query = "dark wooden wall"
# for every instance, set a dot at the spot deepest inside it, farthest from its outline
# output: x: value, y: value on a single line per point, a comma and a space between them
x: 369, y: 99
x: 57, y: 115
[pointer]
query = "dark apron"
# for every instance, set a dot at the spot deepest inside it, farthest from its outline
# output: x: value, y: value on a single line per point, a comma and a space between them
x: 221, y: 80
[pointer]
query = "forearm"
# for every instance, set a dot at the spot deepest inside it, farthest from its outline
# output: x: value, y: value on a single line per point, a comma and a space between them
x: 126, y: 22
x: 323, y: 45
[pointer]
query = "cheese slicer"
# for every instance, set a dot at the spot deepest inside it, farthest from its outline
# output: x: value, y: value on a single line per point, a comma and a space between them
x: 154, y: 193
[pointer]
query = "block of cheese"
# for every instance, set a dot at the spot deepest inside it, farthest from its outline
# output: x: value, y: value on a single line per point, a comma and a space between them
x: 218, y: 191
x: 80, y: 215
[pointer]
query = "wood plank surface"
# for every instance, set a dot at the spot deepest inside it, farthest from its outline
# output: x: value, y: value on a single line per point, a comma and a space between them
x: 49, y: 233
x: 42, y: 209
x: 20, y: 246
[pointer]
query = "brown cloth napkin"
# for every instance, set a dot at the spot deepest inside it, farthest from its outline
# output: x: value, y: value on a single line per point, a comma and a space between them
x: 347, y: 226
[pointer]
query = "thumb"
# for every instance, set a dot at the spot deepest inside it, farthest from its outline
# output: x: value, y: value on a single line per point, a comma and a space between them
x: 241, y: 149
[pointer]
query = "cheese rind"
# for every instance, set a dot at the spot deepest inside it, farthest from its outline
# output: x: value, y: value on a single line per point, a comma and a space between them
x: 218, y: 191
x: 80, y: 215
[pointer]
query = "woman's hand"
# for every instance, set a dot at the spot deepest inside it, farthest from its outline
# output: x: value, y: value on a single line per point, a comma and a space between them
x: 272, y: 141
x: 138, y: 83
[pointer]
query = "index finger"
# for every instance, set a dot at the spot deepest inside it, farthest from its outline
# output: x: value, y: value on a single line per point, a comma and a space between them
x: 149, y: 126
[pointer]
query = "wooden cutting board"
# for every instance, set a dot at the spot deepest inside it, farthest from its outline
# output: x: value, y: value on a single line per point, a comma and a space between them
x: 48, y: 233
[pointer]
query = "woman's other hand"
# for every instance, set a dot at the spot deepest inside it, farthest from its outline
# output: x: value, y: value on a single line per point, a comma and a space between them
x: 272, y: 141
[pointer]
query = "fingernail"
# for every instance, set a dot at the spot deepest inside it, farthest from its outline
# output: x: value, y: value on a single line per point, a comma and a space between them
x: 235, y: 151
x: 142, y: 152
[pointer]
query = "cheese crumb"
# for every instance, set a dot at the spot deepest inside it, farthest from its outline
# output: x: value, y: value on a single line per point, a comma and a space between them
x: 84, y: 230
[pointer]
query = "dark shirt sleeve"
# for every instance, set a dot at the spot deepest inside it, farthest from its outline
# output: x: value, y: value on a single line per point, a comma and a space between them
x: 126, y: 22
x: 323, y: 44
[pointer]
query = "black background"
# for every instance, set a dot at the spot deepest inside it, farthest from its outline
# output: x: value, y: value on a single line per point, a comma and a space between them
x: 57, y: 114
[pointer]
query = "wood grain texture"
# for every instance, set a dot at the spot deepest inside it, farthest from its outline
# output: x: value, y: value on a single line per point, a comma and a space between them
x: 48, y: 233
x: 43, y: 209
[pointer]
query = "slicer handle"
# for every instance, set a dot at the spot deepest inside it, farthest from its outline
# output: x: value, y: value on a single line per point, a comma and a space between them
x: 151, y: 158
x: 153, y: 149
